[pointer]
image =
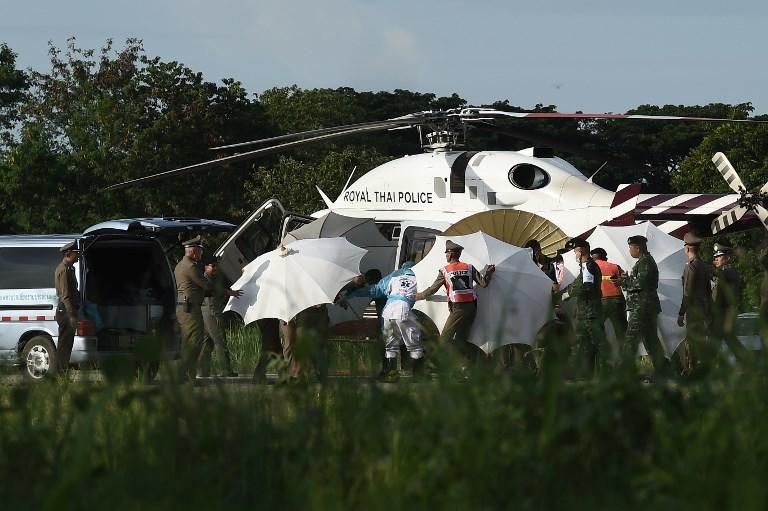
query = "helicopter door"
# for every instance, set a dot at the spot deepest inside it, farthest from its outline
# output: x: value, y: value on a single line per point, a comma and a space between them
x: 258, y: 234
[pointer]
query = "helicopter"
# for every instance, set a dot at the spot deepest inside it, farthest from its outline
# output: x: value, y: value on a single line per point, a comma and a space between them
x: 415, y: 197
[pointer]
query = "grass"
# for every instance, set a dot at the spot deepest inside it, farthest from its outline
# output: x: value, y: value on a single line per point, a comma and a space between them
x: 352, y: 357
x: 505, y: 439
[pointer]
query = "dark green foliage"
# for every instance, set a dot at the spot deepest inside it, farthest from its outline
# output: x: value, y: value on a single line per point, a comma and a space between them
x: 13, y: 86
x: 497, y: 442
x: 747, y: 149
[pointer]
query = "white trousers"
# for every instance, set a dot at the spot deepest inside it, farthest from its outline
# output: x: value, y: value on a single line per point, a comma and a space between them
x: 407, y: 331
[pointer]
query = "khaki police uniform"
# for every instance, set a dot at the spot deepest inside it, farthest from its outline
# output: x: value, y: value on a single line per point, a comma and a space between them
x: 726, y: 296
x: 191, y: 286
x: 305, y: 340
x: 68, y: 309
x: 458, y: 278
x: 764, y: 296
x: 696, y: 309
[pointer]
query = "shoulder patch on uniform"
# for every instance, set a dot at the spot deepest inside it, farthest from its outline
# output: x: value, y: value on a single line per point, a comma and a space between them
x: 588, y: 277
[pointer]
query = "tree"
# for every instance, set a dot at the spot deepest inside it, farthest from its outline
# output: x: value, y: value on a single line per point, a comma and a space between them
x: 98, y: 120
x: 294, y: 181
x: 747, y: 149
x: 13, y: 86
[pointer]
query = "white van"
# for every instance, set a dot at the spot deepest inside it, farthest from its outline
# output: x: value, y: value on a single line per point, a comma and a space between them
x: 127, y: 288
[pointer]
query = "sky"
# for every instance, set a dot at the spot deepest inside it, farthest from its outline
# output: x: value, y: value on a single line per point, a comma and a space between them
x: 587, y: 55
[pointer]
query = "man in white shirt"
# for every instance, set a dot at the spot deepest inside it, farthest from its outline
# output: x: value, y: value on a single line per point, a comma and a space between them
x: 400, y: 325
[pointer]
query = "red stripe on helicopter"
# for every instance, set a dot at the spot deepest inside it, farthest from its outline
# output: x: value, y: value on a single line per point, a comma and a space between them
x: 670, y: 204
x: 648, y: 201
x: 11, y: 319
x: 625, y: 194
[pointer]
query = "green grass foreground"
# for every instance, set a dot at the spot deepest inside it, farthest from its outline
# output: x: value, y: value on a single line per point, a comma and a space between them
x: 499, y: 441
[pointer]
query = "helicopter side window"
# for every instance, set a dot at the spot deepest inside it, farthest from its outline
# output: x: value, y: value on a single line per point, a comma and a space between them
x: 528, y: 177
x: 390, y: 230
x: 417, y: 242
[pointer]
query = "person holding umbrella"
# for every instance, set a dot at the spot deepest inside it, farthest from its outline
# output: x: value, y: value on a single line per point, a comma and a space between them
x: 644, y: 307
x: 459, y: 278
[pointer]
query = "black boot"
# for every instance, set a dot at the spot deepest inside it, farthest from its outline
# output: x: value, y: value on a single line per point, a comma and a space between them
x: 417, y: 365
x: 390, y: 370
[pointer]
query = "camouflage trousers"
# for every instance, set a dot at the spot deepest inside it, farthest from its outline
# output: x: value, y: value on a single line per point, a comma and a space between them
x: 592, y: 350
x: 641, y: 327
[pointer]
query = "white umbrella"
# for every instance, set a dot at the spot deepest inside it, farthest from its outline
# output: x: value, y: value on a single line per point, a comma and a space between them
x: 360, y: 231
x: 284, y: 282
x: 515, y: 305
x: 668, y: 253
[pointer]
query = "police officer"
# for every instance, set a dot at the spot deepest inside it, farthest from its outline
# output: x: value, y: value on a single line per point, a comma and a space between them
x: 213, y: 318
x: 764, y: 296
x: 696, y: 305
x: 191, y: 286
x: 644, y: 307
x: 305, y: 340
x: 271, y: 348
x: 591, y: 346
x: 613, y: 302
x: 458, y: 278
x: 726, y: 296
x: 68, y: 310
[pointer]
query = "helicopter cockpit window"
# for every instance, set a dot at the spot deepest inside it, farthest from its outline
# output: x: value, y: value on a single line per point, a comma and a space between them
x: 528, y: 177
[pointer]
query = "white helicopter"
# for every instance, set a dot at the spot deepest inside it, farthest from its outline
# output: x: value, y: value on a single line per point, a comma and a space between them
x: 447, y: 189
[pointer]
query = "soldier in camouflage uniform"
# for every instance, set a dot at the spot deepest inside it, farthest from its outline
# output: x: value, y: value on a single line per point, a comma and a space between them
x: 591, y: 345
x: 191, y: 287
x: 726, y: 296
x: 644, y: 306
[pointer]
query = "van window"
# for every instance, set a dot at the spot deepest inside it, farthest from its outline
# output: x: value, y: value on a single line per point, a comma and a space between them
x: 28, y: 267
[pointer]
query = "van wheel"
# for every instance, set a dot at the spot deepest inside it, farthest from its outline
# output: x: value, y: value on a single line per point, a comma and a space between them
x: 39, y: 358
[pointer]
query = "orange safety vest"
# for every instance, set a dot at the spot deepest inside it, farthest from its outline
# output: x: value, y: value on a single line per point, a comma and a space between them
x: 459, y: 282
x: 609, y: 288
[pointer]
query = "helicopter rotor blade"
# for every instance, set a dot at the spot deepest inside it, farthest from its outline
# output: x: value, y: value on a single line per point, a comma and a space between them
x: 477, y: 112
x: 558, y: 145
x: 729, y: 218
x: 728, y: 172
x: 762, y: 214
x: 251, y: 155
x: 400, y: 121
